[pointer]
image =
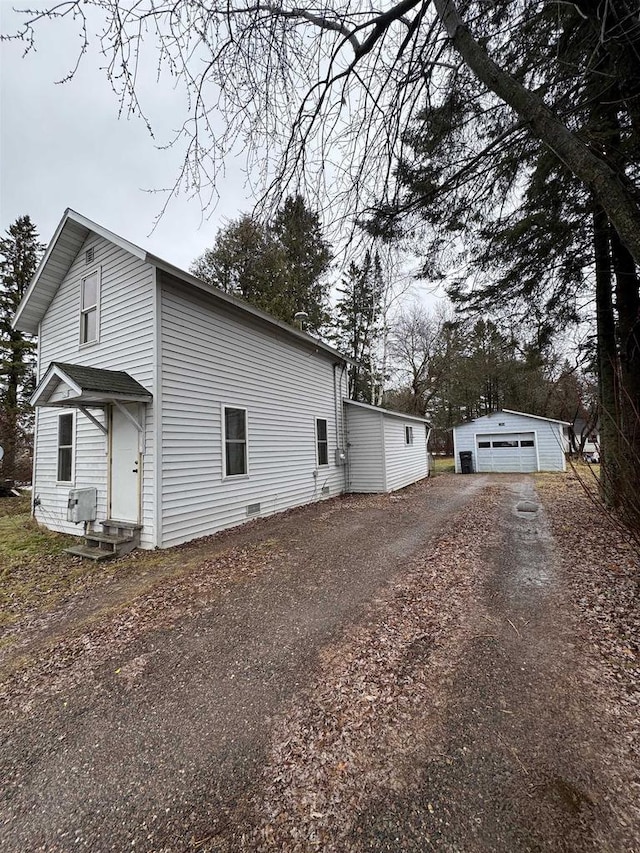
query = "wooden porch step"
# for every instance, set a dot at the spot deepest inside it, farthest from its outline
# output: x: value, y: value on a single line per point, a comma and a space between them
x: 124, y: 525
x: 107, y: 538
x: 96, y: 554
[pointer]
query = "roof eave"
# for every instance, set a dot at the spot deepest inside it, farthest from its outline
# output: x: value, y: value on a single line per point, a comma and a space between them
x: 383, y: 411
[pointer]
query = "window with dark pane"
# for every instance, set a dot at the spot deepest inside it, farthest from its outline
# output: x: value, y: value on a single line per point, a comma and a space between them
x: 235, y: 439
x: 65, y: 447
x: 322, y: 441
x: 408, y: 435
x: 89, y: 308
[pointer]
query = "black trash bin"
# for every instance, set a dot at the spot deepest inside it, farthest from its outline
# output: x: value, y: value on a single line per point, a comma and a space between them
x: 466, y: 461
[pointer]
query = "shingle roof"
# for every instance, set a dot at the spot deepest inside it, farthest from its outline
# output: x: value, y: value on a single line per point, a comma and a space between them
x: 94, y: 379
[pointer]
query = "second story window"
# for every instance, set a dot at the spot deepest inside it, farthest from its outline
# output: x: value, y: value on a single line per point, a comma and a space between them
x: 89, y: 296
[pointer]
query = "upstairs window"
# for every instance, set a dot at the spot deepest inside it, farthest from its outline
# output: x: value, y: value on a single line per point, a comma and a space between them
x: 235, y: 441
x: 89, y: 293
x: 408, y: 435
x: 322, y: 442
x: 65, y: 447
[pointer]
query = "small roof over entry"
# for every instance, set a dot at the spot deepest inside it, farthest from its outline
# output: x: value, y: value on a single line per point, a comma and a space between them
x: 78, y: 386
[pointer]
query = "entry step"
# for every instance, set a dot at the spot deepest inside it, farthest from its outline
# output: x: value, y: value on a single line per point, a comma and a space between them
x: 90, y: 553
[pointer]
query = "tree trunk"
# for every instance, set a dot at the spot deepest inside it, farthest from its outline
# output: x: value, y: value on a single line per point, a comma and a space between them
x: 607, y: 361
x: 628, y: 310
x: 607, y: 185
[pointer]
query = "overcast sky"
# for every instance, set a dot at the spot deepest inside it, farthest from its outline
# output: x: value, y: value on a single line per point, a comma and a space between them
x: 63, y: 146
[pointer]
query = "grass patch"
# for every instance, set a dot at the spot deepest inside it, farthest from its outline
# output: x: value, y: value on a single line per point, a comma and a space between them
x: 444, y: 465
x: 32, y: 566
x: 15, y: 506
x: 21, y: 537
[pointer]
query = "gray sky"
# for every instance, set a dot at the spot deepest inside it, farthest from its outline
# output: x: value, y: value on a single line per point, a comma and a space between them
x: 63, y: 146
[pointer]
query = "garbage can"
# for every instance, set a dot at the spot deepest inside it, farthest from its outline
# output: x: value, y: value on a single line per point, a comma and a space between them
x: 466, y: 461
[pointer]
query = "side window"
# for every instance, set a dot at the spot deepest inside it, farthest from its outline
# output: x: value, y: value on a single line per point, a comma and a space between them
x: 408, y: 435
x: 235, y: 441
x: 322, y: 442
x: 65, y: 447
x: 89, y: 299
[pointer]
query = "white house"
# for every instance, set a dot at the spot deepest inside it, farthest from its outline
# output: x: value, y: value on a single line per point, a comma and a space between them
x: 508, y: 441
x: 168, y: 410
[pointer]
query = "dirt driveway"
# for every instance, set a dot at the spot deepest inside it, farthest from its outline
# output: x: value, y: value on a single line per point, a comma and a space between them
x: 378, y: 673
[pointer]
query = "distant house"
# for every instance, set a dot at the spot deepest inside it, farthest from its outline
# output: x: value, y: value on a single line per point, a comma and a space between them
x: 584, y: 438
x: 167, y: 409
x: 508, y: 441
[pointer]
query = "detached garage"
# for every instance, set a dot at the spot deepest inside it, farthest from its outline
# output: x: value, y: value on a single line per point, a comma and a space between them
x: 511, y: 442
x: 386, y: 450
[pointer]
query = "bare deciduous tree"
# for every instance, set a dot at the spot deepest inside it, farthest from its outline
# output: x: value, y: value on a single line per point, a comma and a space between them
x: 328, y: 90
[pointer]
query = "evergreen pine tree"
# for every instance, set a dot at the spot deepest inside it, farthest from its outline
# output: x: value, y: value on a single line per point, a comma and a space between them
x: 19, y: 255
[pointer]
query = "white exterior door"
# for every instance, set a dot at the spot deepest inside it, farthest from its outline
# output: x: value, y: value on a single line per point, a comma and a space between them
x: 507, y: 452
x: 125, y: 466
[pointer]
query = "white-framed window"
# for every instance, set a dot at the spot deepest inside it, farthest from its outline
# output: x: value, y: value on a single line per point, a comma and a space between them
x: 65, y: 447
x: 90, y: 307
x: 322, y: 442
x: 408, y: 435
x: 235, y: 441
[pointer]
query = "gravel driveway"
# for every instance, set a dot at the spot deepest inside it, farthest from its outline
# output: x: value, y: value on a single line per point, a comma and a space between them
x: 165, y: 740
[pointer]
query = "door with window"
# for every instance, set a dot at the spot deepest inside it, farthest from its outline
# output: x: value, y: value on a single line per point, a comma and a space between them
x: 125, y: 467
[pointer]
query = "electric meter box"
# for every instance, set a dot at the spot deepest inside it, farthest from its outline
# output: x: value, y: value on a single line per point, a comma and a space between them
x: 341, y: 456
x: 82, y: 505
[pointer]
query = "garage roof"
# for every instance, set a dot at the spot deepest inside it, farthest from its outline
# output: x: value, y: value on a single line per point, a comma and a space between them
x: 537, y: 417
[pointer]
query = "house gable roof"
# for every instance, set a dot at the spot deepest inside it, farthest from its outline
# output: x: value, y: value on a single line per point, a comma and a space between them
x: 73, y: 385
x: 61, y: 252
x: 67, y: 241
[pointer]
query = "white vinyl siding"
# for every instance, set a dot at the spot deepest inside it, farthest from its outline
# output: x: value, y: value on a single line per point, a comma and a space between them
x: 125, y: 343
x: 213, y: 357
x: 546, y: 454
x: 405, y: 463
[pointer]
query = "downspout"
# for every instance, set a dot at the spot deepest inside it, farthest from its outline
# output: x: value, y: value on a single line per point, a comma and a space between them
x: 429, y: 430
x: 340, y: 425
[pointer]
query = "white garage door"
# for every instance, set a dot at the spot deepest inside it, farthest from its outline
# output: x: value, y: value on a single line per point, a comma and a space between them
x: 507, y: 452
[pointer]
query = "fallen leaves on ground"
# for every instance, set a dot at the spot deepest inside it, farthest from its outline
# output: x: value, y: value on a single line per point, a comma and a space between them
x: 71, y: 657
x: 358, y: 728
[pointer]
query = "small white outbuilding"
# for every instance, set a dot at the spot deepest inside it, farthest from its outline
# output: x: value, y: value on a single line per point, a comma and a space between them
x: 386, y: 450
x: 511, y: 442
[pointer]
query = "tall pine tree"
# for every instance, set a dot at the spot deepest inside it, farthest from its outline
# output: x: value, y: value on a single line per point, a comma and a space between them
x: 358, y: 326
x: 20, y: 252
